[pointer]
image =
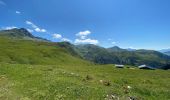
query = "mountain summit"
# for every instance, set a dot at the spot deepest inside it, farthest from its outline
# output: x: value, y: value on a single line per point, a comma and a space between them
x: 116, y: 49
x: 20, y: 33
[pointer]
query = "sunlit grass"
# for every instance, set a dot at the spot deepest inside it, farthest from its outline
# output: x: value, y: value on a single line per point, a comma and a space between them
x: 39, y: 82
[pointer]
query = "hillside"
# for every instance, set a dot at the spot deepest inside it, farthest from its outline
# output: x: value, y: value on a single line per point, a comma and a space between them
x: 20, y: 46
x: 35, y: 52
x: 21, y: 33
x: 31, y: 69
x: 116, y: 55
x: 116, y: 49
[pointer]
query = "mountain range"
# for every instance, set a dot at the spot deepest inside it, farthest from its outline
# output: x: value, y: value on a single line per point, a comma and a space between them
x: 165, y: 51
x: 21, y: 33
x: 116, y: 55
x: 36, y: 50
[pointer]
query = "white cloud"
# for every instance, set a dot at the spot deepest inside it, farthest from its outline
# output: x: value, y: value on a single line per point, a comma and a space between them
x: 60, y: 37
x: 65, y: 39
x: 2, y: 3
x: 113, y: 43
x: 40, y: 30
x: 35, y: 27
x: 9, y: 27
x: 83, y: 34
x: 29, y: 23
x: 83, y: 39
x: 30, y: 30
x: 57, y: 36
x: 32, y: 25
x: 86, y: 41
x: 17, y: 12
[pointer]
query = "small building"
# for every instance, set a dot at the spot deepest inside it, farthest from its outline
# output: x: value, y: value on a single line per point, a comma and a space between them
x: 145, y: 67
x: 119, y: 66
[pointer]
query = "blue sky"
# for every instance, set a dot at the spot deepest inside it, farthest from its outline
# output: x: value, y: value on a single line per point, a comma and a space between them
x: 125, y: 23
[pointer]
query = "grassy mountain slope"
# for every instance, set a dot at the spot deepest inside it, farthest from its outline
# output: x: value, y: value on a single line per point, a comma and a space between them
x: 95, y: 53
x: 116, y: 49
x: 117, y: 55
x: 37, y: 70
x: 21, y: 33
x: 35, y: 52
x: 21, y: 49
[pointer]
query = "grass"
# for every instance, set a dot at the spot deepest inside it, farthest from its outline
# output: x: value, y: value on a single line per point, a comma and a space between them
x: 58, y: 82
x: 32, y: 52
x: 31, y: 70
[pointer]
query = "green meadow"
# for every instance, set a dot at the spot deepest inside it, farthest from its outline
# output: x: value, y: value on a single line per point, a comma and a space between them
x: 31, y: 70
x: 81, y: 82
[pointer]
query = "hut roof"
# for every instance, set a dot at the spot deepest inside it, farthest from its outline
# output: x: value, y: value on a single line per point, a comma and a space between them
x: 145, y: 67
